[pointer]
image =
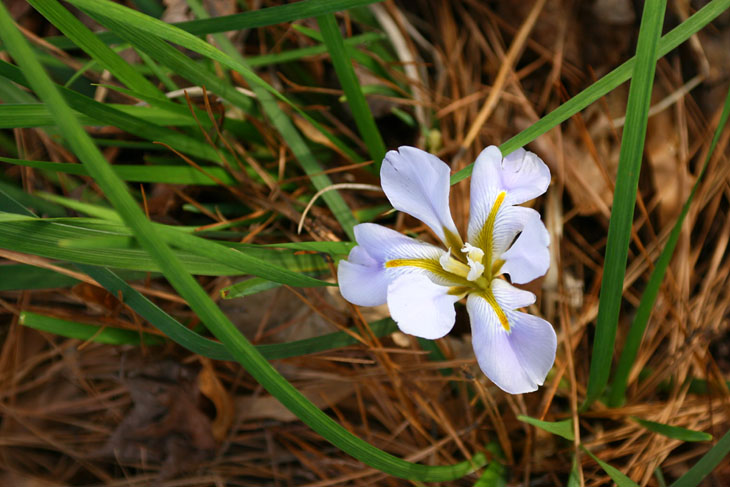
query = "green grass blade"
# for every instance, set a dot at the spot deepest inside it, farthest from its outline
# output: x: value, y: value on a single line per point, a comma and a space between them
x: 139, y: 174
x: 15, y: 200
x: 19, y: 277
x: 302, y: 52
x: 209, y: 348
x: 248, y: 287
x: 624, y: 198
x: 87, y: 41
x: 607, y: 83
x: 288, y: 132
x: 86, y: 332
x: 198, y: 300
x: 246, y: 20
x: 348, y: 80
x: 175, y: 60
x: 562, y: 428
x: 615, y: 474
x: 646, y: 304
x: 706, y: 464
x: 129, y: 123
x: 674, y: 432
x: 98, y: 242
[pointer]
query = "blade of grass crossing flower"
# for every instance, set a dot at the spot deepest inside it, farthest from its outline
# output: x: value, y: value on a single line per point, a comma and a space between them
x: 246, y: 20
x: 86, y: 40
x: 607, y: 83
x: 244, y: 352
x: 350, y: 84
x: 624, y: 198
x: 706, y: 464
x: 646, y: 304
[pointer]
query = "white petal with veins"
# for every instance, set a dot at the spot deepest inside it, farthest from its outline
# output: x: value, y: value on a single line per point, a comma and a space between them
x: 421, y: 307
x: 418, y: 183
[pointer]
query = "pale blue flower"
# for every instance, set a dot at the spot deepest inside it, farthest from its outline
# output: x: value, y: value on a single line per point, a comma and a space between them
x: 421, y: 282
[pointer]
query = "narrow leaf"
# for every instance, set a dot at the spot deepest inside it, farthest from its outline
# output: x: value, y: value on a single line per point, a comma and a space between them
x: 648, y: 297
x: 624, y: 198
x: 674, y: 432
x: 616, y: 475
x: 563, y: 428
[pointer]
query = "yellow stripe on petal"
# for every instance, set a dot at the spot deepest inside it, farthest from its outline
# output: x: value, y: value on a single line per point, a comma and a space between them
x: 430, y: 265
x: 501, y: 315
x: 485, y: 239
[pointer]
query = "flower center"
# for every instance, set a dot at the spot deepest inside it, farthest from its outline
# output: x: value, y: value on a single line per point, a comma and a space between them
x: 472, y: 270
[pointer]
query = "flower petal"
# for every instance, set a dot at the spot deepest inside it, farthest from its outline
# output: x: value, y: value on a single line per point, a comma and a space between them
x: 383, y: 244
x: 421, y: 307
x: 485, y: 186
x: 524, y: 176
x: 363, y: 277
x: 528, y: 258
x: 521, y: 175
x: 362, y: 280
x: 417, y: 183
x: 516, y: 361
x: 510, y: 297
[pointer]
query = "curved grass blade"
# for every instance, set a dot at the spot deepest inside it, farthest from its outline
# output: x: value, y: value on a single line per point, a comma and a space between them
x: 674, y: 432
x: 624, y: 198
x: 100, y: 242
x: 246, y: 20
x: 129, y: 123
x: 616, y: 475
x: 244, y: 352
x: 563, y: 428
x: 192, y: 341
x: 646, y: 304
x: 159, y: 49
x: 89, y: 43
x: 350, y: 84
x: 706, y: 464
x: 288, y: 131
x: 607, y: 83
x: 140, y: 174
x: 82, y: 331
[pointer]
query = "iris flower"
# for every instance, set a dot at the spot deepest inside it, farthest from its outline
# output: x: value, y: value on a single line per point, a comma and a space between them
x: 421, y: 282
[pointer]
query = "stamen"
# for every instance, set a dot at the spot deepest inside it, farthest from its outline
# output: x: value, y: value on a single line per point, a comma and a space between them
x: 450, y: 264
x: 474, y: 256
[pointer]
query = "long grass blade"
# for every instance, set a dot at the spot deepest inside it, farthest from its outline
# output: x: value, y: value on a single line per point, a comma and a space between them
x: 192, y: 341
x: 706, y: 464
x: 350, y: 84
x: 246, y: 20
x: 646, y: 304
x: 624, y: 198
x: 90, y: 43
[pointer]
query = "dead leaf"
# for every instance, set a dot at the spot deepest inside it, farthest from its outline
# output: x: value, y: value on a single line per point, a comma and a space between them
x: 210, y: 386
